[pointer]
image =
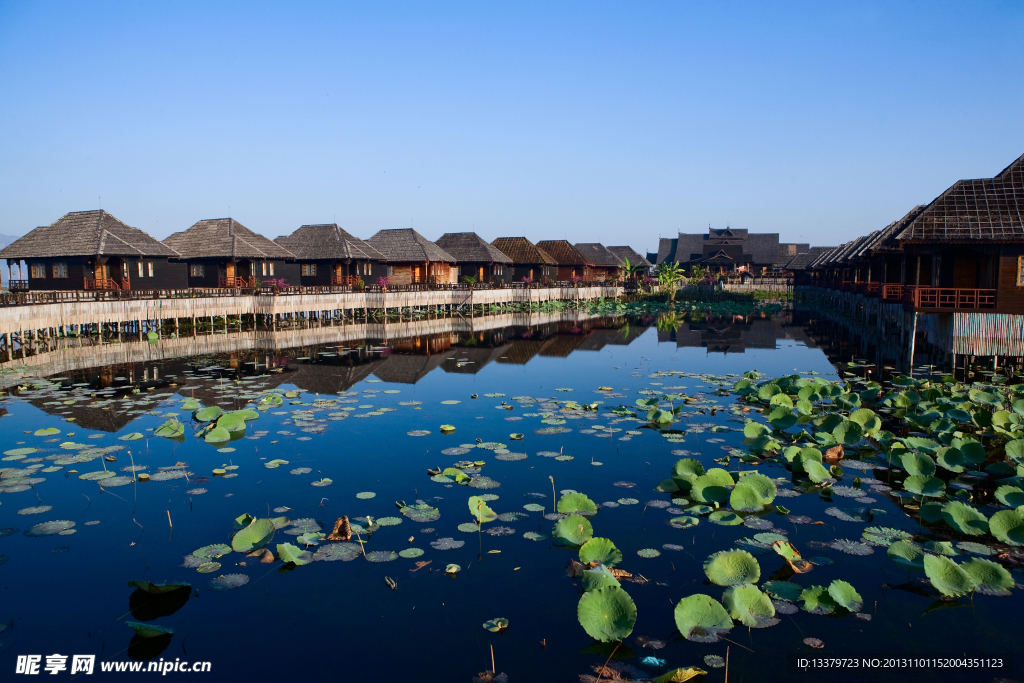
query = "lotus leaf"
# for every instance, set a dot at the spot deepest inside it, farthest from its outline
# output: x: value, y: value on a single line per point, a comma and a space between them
x: 817, y: 600
x: 745, y: 499
x: 598, y: 577
x: 573, y: 530
x: 1010, y: 495
x: 964, y: 518
x: 227, y: 582
x: 1008, y: 527
x: 148, y: 630
x: 133, y: 436
x: 947, y: 576
x: 918, y: 464
x: 217, y: 435
x: 679, y: 675
x: 712, y: 486
x: 242, y: 521
x: 701, y: 618
x: 49, y: 431
x: 845, y: 595
x: 421, y: 512
x: 171, y: 429
x: 607, y: 614
x: 924, y: 485
x: 478, y: 508
x: 687, y: 470
x: 207, y: 414
x: 600, y: 550
x: 784, y: 590
x: 816, y: 472
x: 496, y: 625
x: 49, y: 528
x: 885, y: 535
x: 576, y: 502
x: 291, y: 553
x: 990, y: 578
x: 732, y: 567
x: 867, y: 419
x: 764, y: 485
x: 725, y: 518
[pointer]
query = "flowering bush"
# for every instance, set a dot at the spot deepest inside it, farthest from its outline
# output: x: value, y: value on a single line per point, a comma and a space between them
x: 274, y: 283
x: 527, y: 279
x: 383, y: 281
x: 576, y: 278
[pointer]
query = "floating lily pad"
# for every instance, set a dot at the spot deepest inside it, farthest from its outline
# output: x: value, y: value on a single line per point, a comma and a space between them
x: 227, y: 582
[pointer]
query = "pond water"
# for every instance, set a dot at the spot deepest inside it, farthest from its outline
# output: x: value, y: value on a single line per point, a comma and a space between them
x: 343, y: 423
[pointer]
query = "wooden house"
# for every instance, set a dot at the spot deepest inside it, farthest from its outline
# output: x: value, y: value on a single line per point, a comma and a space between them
x: 528, y: 261
x: 571, y: 264
x: 634, y: 257
x: 92, y: 250
x: 726, y: 250
x: 602, y: 264
x: 410, y: 258
x: 221, y: 252
x: 328, y: 255
x: 476, y: 259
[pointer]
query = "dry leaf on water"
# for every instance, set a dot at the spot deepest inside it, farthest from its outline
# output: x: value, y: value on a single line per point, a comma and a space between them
x: 342, y: 530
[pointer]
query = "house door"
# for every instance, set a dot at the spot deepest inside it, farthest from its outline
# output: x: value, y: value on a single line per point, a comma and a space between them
x: 965, y: 272
x: 102, y: 272
x: 417, y: 274
x: 230, y: 269
x: 481, y: 277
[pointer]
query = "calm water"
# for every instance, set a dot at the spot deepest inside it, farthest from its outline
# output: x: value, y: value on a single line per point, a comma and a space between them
x: 68, y: 594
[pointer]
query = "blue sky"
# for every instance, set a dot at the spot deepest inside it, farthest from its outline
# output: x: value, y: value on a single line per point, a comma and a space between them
x: 591, y: 121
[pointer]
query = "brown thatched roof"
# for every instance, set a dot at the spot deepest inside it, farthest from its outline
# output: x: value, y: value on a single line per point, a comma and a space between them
x: 523, y: 252
x: 564, y: 253
x: 85, y: 233
x: 327, y: 241
x: 596, y: 254
x: 406, y: 368
x: 635, y: 259
x: 405, y: 244
x: 469, y: 247
x: 802, y: 261
x: 985, y: 209
x: 224, y: 238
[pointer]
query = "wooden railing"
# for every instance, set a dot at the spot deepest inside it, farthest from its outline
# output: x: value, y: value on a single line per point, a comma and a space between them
x: 237, y: 282
x: 344, y: 280
x: 18, y: 285
x: 107, y: 283
x: 949, y: 298
x: 892, y: 291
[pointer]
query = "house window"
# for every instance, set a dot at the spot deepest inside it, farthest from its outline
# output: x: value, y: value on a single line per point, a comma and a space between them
x: 390, y: 271
x: 308, y: 269
x: 196, y: 270
x: 1020, y: 271
x: 124, y: 269
x: 60, y: 270
x: 150, y: 267
x: 140, y: 268
x: 271, y: 267
x: 37, y: 270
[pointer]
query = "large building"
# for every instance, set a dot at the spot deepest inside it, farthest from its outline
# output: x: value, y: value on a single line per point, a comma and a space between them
x: 729, y: 249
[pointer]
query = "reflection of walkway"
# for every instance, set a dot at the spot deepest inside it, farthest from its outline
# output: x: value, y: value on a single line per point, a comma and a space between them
x: 67, y: 355
x: 723, y: 336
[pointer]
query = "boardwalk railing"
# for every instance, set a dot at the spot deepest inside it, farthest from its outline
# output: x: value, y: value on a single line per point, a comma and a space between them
x: 949, y: 298
x: 106, y: 283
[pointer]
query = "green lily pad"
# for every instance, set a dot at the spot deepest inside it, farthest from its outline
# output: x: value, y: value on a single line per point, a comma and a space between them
x: 600, y: 550
x: 496, y: 625
x: 576, y: 502
x: 845, y: 595
x: 256, y: 535
x: 701, y: 618
x: 292, y: 553
x: 947, y: 576
x: 573, y: 530
x: 149, y: 630
x: 748, y: 605
x: 732, y: 567
x: 607, y: 614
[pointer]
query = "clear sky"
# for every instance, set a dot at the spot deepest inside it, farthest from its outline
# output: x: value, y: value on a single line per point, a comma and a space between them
x: 592, y: 121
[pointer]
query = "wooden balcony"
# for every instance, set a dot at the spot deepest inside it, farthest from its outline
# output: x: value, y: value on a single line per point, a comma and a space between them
x: 344, y: 280
x: 18, y: 285
x: 892, y: 292
x: 949, y: 298
x: 107, y: 284
x: 237, y: 282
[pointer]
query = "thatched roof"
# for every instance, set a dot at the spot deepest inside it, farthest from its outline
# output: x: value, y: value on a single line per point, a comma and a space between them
x: 469, y: 247
x: 478, y: 356
x: 406, y: 368
x: 327, y: 241
x: 635, y: 259
x: 405, y: 244
x: 597, y: 254
x: 85, y: 233
x: 562, y: 252
x: 520, y: 351
x: 523, y: 252
x: 224, y: 238
x: 985, y: 209
x: 802, y: 261
x: 885, y: 239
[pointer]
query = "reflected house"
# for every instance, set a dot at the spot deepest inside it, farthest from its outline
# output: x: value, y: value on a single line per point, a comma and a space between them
x: 726, y: 250
x: 411, y: 258
x: 407, y: 368
x: 470, y: 360
x: 529, y: 262
x: 93, y: 250
x: 628, y: 334
x: 598, y: 339
x: 732, y: 336
x: 634, y: 257
x: 561, y: 345
x: 521, y: 351
x: 602, y: 264
x: 571, y: 264
x: 476, y: 258
x: 328, y: 255
x: 221, y: 252
x: 330, y: 378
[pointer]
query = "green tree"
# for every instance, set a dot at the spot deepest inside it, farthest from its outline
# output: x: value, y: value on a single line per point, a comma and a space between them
x: 669, y: 276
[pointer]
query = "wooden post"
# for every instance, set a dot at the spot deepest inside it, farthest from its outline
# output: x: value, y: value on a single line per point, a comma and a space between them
x: 913, y: 339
